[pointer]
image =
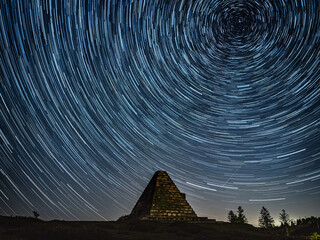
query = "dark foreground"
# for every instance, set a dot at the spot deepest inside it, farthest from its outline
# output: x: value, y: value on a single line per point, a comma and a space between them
x: 18, y: 228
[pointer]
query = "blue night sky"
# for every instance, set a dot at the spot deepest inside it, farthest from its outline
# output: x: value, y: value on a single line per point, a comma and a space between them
x: 95, y: 96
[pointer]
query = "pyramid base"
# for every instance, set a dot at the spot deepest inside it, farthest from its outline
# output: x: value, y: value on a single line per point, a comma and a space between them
x: 188, y: 219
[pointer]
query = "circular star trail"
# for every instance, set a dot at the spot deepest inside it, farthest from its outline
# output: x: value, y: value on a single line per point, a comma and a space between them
x: 97, y: 95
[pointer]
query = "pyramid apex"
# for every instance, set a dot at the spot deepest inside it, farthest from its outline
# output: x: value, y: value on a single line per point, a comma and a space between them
x: 160, y: 171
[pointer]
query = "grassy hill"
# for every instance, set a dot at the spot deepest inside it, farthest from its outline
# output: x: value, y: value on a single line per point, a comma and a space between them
x: 18, y: 228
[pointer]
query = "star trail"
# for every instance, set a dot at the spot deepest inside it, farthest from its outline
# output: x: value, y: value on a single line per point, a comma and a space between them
x: 96, y: 96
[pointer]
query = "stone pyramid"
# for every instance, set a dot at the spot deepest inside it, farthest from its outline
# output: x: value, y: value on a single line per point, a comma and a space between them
x: 162, y: 200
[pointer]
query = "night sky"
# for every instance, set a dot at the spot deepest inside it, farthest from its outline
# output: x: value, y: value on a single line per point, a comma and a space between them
x: 95, y: 96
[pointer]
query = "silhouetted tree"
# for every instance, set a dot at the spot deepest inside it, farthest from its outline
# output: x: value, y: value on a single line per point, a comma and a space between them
x: 232, y: 218
x: 265, y: 219
x: 284, y: 218
x: 241, y: 217
x: 299, y: 222
x: 36, y: 214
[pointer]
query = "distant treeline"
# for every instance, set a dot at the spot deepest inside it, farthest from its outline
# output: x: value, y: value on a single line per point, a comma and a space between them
x: 267, y: 221
x: 308, y: 220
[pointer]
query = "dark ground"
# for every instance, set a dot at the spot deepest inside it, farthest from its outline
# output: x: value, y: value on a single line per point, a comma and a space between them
x: 18, y: 228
